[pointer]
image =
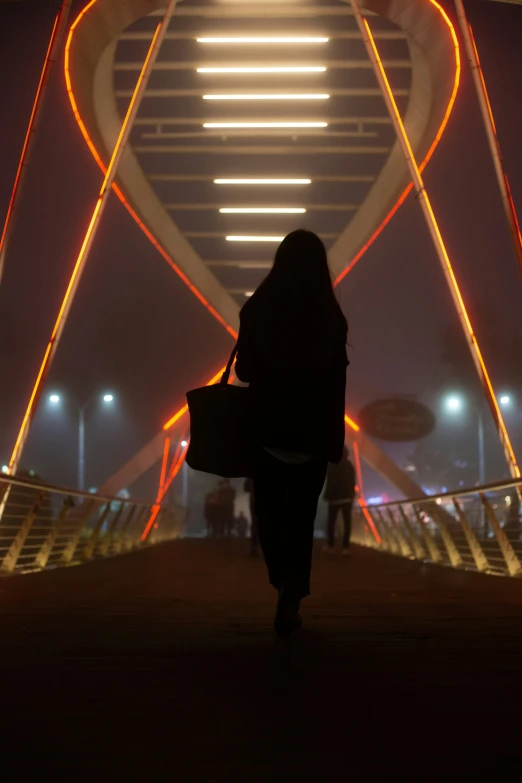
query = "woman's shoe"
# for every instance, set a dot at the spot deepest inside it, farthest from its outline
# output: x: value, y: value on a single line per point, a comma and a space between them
x: 287, y: 619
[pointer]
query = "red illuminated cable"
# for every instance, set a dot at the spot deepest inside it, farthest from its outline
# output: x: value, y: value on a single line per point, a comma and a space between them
x: 50, y: 58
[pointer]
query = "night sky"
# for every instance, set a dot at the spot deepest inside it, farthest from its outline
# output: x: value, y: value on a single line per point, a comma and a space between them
x: 137, y: 331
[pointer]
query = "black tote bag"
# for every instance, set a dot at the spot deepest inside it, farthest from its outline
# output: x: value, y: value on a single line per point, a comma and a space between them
x: 220, y: 427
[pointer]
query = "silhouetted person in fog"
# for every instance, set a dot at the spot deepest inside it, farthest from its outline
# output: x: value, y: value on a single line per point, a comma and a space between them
x: 292, y: 351
x: 254, y: 533
x: 212, y: 513
x: 227, y: 496
x: 339, y: 494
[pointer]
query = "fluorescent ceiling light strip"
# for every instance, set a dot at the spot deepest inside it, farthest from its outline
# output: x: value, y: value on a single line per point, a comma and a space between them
x: 262, y: 181
x: 265, y: 124
x: 262, y: 210
x: 253, y: 239
x: 264, y: 39
x: 320, y: 96
x: 275, y: 69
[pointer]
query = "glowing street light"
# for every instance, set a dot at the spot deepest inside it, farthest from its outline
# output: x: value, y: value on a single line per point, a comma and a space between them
x: 54, y: 398
x: 183, y: 444
x: 5, y: 469
x: 505, y: 399
x: 454, y: 403
x: 108, y: 397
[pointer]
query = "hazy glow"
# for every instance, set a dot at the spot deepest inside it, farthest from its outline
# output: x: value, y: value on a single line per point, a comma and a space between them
x: 262, y: 181
x: 183, y: 444
x: 275, y: 69
x: 54, y: 398
x: 265, y: 124
x: 263, y: 210
x: 454, y: 403
x: 505, y: 399
x: 5, y: 469
x: 264, y: 39
x: 319, y: 96
x: 108, y: 397
x: 254, y: 239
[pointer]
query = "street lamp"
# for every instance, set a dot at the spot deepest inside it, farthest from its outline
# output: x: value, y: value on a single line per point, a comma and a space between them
x: 454, y: 404
x: 107, y: 399
x: 505, y: 399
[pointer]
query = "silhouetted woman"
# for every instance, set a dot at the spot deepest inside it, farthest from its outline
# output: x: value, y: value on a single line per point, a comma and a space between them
x: 292, y: 351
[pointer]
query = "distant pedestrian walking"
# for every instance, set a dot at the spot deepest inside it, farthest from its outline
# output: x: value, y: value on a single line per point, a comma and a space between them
x: 292, y: 352
x: 226, y: 496
x: 212, y: 513
x: 254, y: 532
x: 339, y: 494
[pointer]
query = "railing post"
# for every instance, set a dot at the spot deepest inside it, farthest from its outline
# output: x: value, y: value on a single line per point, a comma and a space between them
x: 93, y: 540
x: 403, y: 544
x: 367, y: 536
x: 392, y: 543
x: 120, y: 539
x: 106, y: 541
x: 454, y: 555
x: 11, y: 557
x: 479, y: 556
x: 431, y: 545
x: 47, y: 547
x: 70, y: 549
x: 129, y: 544
x: 510, y: 556
x: 418, y: 549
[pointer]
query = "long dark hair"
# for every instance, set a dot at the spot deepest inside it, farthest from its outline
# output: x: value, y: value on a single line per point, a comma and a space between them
x: 297, y: 298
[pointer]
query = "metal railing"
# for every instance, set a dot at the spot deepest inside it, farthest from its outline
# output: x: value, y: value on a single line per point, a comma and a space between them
x: 479, y: 529
x: 45, y: 527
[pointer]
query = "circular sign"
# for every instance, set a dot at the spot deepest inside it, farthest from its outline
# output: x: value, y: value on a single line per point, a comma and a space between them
x: 396, y: 419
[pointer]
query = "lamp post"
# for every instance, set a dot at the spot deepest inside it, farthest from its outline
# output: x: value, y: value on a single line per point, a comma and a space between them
x: 454, y: 404
x: 107, y: 399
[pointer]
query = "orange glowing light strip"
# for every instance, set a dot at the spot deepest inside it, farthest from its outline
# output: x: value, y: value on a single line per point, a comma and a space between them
x: 62, y: 313
x: 350, y: 422
x: 117, y: 190
x: 163, y: 471
x: 434, y: 228
x: 360, y: 495
x: 516, y: 225
x: 429, y: 154
x: 156, y: 508
x: 22, y: 160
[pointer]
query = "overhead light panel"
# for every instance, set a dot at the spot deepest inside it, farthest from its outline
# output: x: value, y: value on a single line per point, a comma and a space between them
x: 275, y: 69
x: 262, y: 210
x: 264, y: 40
x: 253, y: 239
x: 271, y: 181
x: 265, y: 125
x: 319, y: 96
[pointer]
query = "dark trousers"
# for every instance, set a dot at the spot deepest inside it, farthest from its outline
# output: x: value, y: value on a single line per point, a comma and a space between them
x: 286, y: 498
x: 333, y: 511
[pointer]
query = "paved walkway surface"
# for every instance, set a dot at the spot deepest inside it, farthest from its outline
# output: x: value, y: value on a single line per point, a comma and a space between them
x: 162, y: 665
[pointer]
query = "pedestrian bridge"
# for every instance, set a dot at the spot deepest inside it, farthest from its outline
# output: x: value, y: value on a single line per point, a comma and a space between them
x: 160, y: 658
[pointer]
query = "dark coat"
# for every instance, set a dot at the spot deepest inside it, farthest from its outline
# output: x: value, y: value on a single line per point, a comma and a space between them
x: 296, y: 369
x: 340, y: 482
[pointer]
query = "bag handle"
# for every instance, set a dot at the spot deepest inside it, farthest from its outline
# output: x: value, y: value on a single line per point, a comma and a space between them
x: 226, y: 374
